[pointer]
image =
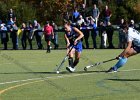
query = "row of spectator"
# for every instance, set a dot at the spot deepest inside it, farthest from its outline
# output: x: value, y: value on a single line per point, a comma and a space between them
x: 87, y: 24
x: 28, y: 31
x: 100, y: 23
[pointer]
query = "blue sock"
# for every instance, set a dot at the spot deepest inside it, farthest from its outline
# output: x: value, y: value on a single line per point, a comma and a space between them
x: 120, y: 63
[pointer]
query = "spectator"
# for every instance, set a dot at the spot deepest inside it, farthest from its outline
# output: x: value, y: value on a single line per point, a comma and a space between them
x: 75, y: 15
x: 80, y: 20
x: 14, y: 36
x: 83, y: 10
x: 11, y: 14
x: 24, y: 36
x: 110, y: 31
x: 102, y: 34
x: 93, y: 26
x: 106, y: 14
x: 86, y: 33
x: 122, y: 35
x: 132, y: 24
x: 49, y: 34
x: 95, y: 14
x: 55, y: 39
x: 4, y: 36
x: 29, y: 34
x: 10, y: 23
x: 38, y: 36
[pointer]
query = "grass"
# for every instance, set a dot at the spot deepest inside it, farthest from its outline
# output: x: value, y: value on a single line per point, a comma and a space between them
x: 30, y: 75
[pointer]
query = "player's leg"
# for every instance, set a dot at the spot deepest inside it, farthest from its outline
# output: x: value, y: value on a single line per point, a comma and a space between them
x: 122, y: 60
x: 70, y: 59
x: 77, y: 57
x: 48, y: 46
x: 78, y: 53
x: 48, y: 40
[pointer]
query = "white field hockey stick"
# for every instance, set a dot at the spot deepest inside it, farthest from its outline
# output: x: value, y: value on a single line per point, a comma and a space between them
x: 98, y: 63
x: 65, y: 58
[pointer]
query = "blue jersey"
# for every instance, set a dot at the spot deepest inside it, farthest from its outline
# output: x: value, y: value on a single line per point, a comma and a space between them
x: 72, y: 36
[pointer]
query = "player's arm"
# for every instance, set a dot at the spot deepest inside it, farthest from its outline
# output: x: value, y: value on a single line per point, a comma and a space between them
x: 67, y: 40
x: 124, y: 53
x: 80, y: 35
x: 52, y: 32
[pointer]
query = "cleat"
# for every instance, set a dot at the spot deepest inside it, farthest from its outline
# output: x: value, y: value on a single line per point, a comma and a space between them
x: 85, y: 69
x: 70, y: 69
x: 48, y: 51
x: 111, y: 70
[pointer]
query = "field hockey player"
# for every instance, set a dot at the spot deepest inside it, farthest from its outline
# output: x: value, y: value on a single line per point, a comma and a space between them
x: 73, y: 37
x: 133, y: 47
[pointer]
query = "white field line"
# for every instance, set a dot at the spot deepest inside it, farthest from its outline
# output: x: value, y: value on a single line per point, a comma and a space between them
x: 45, y: 78
x: 13, y: 63
x: 17, y: 81
x: 26, y: 62
x: 58, y: 77
x: 129, y: 70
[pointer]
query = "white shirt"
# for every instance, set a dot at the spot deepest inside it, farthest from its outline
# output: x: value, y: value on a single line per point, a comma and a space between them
x: 134, y: 36
x: 3, y: 28
x: 79, y: 22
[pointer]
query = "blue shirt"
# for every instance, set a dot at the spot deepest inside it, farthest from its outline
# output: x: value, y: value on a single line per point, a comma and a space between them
x: 76, y: 14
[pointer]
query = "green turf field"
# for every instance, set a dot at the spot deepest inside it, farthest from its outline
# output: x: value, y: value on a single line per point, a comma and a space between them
x: 29, y: 75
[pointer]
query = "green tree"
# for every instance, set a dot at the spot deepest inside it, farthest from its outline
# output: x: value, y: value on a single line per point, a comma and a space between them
x: 23, y: 11
x: 43, y: 10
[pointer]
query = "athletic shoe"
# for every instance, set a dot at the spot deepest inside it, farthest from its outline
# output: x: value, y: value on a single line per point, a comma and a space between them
x: 48, y: 51
x: 111, y: 70
x: 70, y: 69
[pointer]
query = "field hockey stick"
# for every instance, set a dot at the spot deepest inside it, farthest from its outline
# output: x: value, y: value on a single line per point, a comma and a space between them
x: 61, y: 64
x: 98, y: 63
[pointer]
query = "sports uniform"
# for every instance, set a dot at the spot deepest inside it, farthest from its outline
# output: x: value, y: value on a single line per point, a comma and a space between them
x: 134, y: 36
x: 133, y: 39
x: 48, y: 32
x: 72, y: 36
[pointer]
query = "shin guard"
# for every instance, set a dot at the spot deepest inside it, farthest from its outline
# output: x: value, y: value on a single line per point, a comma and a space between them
x: 70, y: 61
x: 75, y: 62
x: 120, y: 63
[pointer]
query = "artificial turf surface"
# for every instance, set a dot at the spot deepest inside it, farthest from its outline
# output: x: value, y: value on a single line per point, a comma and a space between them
x: 30, y: 75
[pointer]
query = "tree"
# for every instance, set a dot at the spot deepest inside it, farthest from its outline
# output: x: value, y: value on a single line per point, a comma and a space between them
x: 43, y: 10
x: 23, y: 11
